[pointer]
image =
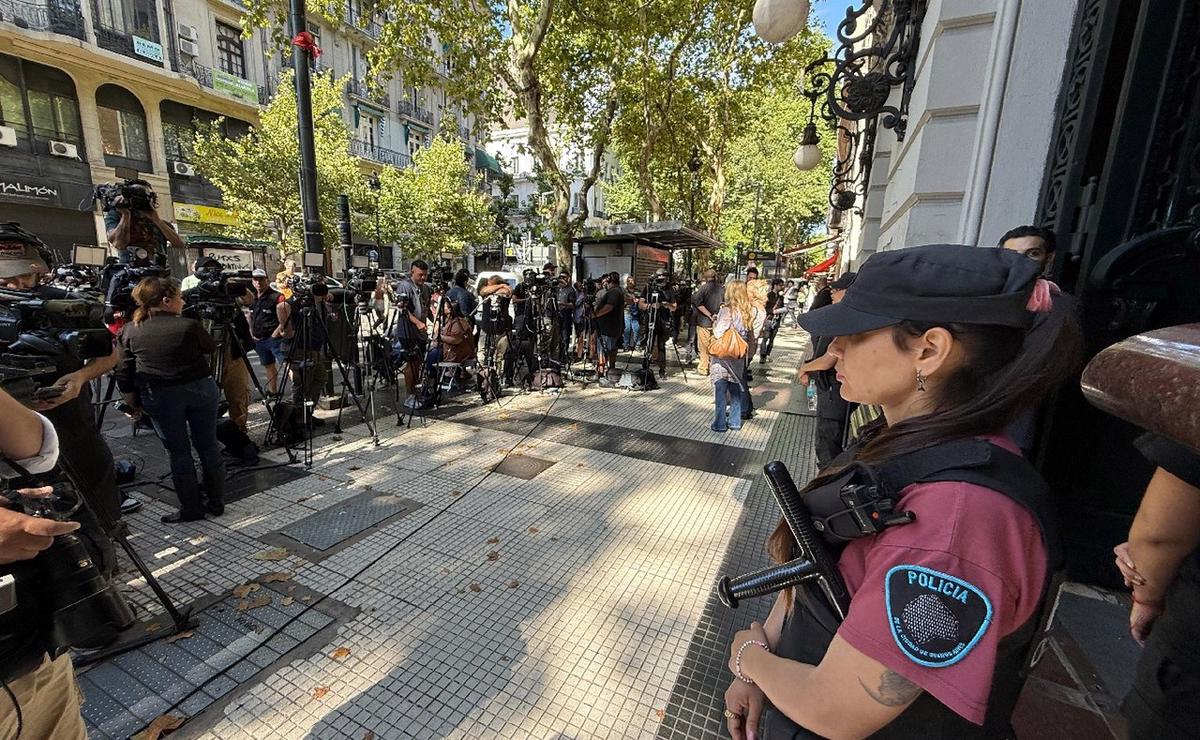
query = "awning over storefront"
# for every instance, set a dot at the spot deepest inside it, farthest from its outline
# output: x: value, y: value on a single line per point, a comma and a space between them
x: 485, y: 161
x: 824, y: 264
x: 661, y: 234
x: 799, y: 249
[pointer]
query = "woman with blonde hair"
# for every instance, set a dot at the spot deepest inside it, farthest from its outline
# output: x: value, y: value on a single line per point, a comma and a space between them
x: 757, y: 290
x: 726, y: 374
x: 166, y: 370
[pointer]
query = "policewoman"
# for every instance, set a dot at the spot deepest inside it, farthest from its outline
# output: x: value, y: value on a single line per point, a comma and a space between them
x: 947, y: 552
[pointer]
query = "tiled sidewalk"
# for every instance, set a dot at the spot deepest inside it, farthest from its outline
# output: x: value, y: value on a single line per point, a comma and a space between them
x: 473, y: 603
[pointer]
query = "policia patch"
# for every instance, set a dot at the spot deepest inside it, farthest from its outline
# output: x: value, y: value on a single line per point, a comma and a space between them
x: 935, y: 618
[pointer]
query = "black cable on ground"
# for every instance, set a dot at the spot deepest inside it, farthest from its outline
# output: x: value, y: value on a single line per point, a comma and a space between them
x: 354, y: 576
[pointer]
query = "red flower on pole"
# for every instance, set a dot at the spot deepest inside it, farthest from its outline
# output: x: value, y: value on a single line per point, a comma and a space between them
x: 308, y: 43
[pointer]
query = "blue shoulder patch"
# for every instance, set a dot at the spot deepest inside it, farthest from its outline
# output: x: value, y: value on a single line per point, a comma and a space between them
x: 935, y: 618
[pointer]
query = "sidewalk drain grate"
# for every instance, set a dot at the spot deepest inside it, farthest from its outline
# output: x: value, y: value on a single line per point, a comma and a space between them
x: 126, y: 693
x: 522, y: 466
x: 321, y: 534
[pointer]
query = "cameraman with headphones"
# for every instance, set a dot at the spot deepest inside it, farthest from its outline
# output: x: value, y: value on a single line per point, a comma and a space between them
x: 134, y: 227
x: 24, y: 259
x: 40, y: 699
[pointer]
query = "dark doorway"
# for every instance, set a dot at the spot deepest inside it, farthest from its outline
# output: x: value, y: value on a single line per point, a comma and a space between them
x: 1122, y: 192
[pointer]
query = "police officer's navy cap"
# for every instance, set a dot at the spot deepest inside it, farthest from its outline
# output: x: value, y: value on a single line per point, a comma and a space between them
x: 932, y: 283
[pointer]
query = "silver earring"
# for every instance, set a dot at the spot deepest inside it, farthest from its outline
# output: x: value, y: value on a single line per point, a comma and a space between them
x: 920, y: 381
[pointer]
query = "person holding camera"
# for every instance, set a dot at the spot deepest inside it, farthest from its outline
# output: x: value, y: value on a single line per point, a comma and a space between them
x: 67, y: 401
x: 585, y: 303
x: 45, y: 701
x: 609, y: 325
x: 165, y: 371
x: 523, y: 345
x: 496, y: 323
x: 656, y: 306
x: 135, y: 230
x: 302, y: 332
x: 264, y: 321
x: 410, y: 336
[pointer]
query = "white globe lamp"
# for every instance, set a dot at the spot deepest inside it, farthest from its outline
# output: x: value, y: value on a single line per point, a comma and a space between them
x: 776, y: 21
x: 808, y: 154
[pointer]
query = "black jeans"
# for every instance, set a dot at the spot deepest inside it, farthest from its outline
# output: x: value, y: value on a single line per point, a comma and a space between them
x: 177, y: 410
x: 767, y: 342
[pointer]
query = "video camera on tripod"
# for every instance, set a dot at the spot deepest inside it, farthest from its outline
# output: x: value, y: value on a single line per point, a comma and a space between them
x: 215, y: 297
x: 35, y: 332
x: 362, y: 282
x: 117, y: 281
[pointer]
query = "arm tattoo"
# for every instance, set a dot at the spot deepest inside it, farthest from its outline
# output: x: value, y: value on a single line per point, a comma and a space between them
x: 894, y: 690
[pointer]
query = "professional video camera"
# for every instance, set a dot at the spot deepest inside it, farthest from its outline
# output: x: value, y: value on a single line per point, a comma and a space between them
x: 62, y: 588
x: 302, y: 285
x: 128, y: 194
x: 34, y: 331
x: 74, y: 276
x: 117, y: 281
x: 215, y: 297
x: 363, y: 281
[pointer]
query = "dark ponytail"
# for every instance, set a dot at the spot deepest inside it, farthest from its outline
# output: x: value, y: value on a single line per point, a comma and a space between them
x: 1006, y: 373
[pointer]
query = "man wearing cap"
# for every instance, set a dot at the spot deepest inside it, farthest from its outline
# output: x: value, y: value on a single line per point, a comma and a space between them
x: 23, y: 262
x: 707, y: 301
x: 833, y: 412
x: 264, y: 321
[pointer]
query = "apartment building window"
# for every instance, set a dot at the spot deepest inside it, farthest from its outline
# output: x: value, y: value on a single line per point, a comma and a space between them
x: 131, y: 17
x: 12, y: 102
x: 231, y: 57
x: 122, y: 126
x: 53, y: 109
x: 368, y: 127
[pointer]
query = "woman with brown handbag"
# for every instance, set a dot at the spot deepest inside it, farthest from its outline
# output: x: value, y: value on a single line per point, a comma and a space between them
x: 731, y: 342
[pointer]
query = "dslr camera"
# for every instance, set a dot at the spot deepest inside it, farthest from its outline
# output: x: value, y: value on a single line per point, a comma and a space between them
x: 129, y: 194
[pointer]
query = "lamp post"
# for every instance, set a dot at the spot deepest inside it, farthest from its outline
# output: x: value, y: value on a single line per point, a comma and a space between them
x: 314, y: 240
x: 693, y: 165
x: 375, y: 185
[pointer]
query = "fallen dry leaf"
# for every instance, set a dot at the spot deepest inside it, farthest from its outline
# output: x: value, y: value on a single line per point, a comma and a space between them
x: 180, y: 636
x: 369, y: 736
x: 274, y: 577
x: 306, y: 599
x: 493, y: 540
x: 456, y: 494
x: 353, y: 467
x: 445, y: 571
x: 302, y: 499
x: 579, y: 465
x: 320, y: 691
x: 493, y: 556
x: 661, y: 713
x: 245, y: 590
x: 534, y: 530
x: 275, y: 553
x: 153, y: 627
x: 554, y: 539
x: 475, y: 587
x: 340, y: 653
x: 161, y: 725
x: 514, y: 584
x: 288, y: 601
x: 245, y: 606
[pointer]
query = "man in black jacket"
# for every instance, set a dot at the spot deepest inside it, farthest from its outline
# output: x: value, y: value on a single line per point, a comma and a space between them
x: 264, y: 320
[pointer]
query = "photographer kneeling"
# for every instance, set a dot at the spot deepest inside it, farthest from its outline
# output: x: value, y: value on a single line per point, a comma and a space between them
x: 45, y: 699
x: 165, y: 369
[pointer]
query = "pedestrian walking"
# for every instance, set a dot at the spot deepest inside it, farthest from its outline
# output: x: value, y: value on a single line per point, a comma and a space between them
x: 727, y: 364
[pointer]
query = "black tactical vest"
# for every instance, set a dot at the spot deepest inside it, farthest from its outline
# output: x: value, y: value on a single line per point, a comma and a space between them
x: 863, y: 498
x: 263, y: 317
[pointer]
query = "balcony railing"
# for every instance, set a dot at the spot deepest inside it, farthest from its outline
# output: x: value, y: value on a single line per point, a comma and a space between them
x: 240, y: 89
x: 367, y: 150
x: 423, y: 115
x: 362, y: 23
x: 363, y: 91
x: 55, y: 16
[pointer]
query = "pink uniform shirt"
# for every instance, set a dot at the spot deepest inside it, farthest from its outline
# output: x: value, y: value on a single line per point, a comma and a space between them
x: 964, y: 537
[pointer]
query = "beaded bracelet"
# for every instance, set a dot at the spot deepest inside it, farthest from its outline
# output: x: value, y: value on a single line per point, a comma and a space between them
x: 737, y: 662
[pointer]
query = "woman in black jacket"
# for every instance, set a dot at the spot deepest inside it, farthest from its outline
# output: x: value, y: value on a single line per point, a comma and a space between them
x: 166, y: 370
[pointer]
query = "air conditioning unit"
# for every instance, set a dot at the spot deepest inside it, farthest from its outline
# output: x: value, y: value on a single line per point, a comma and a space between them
x: 8, y: 136
x: 183, y: 168
x: 188, y: 32
x: 63, y: 149
x: 191, y: 48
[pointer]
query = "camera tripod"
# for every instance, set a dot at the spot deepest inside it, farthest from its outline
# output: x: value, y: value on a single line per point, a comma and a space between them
x: 370, y: 362
x: 433, y: 322
x: 118, y: 531
x: 309, y: 318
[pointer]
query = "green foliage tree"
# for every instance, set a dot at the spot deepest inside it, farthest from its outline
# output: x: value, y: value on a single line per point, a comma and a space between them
x: 258, y: 174
x: 432, y: 207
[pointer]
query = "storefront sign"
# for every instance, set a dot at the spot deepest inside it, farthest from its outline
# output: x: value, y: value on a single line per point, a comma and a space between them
x: 148, y: 49
x: 17, y: 191
x: 235, y: 86
x: 199, y: 214
x: 231, y: 259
